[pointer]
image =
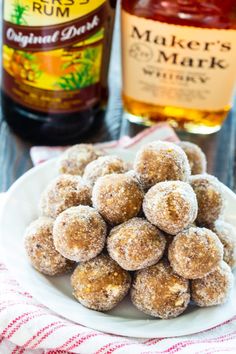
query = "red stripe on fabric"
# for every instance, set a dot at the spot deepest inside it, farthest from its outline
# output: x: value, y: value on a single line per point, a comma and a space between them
x: 46, y: 335
x: 101, y: 349
x: 8, y: 344
x: 56, y: 352
x: 16, y: 349
x: 114, y: 343
x: 171, y: 139
x: 188, y: 344
x: 25, y: 294
x: 153, y: 341
x: 45, y: 351
x: 21, y: 293
x: 180, y: 345
x: 69, y: 341
x: 25, y: 345
x: 11, y: 324
x: 83, y: 339
x: 104, y: 347
x: 118, y: 346
x: 23, y: 323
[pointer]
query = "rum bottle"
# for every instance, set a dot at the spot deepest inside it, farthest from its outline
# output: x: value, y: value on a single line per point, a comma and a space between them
x: 55, y: 63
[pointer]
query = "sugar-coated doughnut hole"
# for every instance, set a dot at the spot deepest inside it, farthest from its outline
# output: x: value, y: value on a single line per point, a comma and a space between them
x: 136, y: 244
x: 100, y: 284
x: 171, y: 206
x: 161, y: 161
x: 117, y: 197
x: 196, y: 157
x: 195, y: 252
x: 210, y: 198
x: 74, y: 160
x: 154, y: 212
x: 104, y: 165
x: 79, y: 233
x: 41, y: 251
x: 159, y: 292
x: 227, y: 235
x: 62, y: 193
x: 214, y: 289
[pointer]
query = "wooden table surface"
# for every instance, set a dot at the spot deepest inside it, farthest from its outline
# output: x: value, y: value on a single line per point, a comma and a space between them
x: 220, y: 148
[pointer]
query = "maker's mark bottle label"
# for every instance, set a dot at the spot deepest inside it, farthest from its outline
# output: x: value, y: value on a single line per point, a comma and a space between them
x: 172, y: 65
x: 52, y: 53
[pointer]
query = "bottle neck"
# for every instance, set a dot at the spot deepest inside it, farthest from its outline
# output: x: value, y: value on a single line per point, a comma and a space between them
x: 211, y: 13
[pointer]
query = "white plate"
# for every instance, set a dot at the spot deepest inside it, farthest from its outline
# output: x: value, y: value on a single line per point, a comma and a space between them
x: 20, y: 208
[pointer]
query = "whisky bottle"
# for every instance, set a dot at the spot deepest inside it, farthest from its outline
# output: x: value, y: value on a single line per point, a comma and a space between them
x: 55, y: 64
x: 179, y: 62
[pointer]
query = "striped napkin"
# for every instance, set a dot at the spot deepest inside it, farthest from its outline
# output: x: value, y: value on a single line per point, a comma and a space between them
x: 161, y: 131
x: 27, y: 327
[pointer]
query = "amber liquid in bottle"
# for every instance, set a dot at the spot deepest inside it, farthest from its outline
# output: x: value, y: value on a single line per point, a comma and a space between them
x: 213, y: 14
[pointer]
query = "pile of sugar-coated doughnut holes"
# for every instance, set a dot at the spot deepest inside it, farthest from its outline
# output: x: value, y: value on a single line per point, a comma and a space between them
x: 153, y: 230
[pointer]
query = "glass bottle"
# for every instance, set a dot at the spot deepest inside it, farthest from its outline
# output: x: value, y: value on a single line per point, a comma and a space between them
x: 179, y: 62
x: 55, y: 65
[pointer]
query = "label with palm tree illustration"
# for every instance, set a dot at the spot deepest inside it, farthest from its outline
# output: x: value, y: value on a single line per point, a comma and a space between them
x: 53, y: 52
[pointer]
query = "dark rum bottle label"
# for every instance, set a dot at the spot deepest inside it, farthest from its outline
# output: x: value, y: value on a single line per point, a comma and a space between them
x: 52, y: 53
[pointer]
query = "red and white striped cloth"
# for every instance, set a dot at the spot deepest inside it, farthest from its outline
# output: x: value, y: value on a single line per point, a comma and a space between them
x: 161, y: 131
x: 28, y: 327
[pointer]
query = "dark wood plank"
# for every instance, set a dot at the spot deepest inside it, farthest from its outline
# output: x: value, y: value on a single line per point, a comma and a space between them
x: 14, y: 157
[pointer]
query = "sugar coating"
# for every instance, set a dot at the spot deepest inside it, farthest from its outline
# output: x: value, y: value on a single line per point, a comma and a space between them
x: 43, y: 256
x: 159, y: 292
x: 117, y: 197
x: 62, y: 193
x: 104, y: 165
x: 171, y: 206
x: 79, y: 233
x: 131, y: 173
x: 196, y: 157
x: 136, y: 244
x: 210, y: 198
x: 195, y: 252
x: 161, y: 161
x: 100, y: 284
x: 74, y: 160
x: 227, y: 235
x: 214, y: 289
